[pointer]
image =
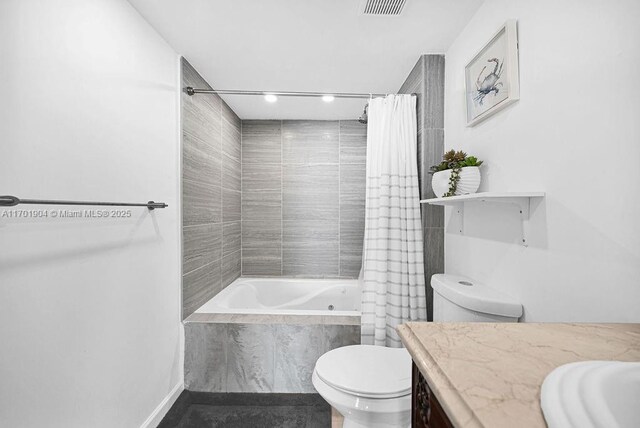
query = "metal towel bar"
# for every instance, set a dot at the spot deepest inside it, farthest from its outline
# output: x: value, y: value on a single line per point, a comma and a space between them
x: 10, y: 201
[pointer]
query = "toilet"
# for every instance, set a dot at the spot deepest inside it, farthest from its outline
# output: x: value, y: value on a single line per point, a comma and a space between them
x: 371, y: 385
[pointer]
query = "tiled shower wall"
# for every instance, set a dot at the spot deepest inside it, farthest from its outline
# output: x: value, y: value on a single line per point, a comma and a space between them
x: 303, y: 188
x: 210, y: 194
x: 427, y: 81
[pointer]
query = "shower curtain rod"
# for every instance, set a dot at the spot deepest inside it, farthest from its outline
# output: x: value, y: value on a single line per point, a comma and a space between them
x: 192, y: 91
x: 11, y: 201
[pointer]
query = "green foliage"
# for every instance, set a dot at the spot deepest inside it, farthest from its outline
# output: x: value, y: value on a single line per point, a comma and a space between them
x: 453, y: 182
x: 455, y: 161
x: 470, y: 161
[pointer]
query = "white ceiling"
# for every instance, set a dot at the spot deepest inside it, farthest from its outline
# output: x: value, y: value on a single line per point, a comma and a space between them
x: 304, y: 45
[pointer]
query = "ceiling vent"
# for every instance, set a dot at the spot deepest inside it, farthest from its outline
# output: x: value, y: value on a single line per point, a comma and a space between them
x: 383, y: 7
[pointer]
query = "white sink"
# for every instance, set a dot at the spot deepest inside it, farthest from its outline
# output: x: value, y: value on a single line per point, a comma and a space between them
x: 592, y: 394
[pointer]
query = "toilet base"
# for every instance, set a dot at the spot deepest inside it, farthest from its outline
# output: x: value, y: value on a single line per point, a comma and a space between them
x: 400, y: 423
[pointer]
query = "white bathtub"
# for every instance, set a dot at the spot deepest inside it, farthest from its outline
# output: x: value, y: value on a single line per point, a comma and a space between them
x: 287, y: 296
x: 263, y: 335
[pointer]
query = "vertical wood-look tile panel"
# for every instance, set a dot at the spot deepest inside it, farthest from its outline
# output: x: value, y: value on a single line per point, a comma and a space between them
x: 231, y: 268
x: 310, y: 192
x: 201, y: 121
x: 202, y: 244
x: 231, y: 141
x: 201, y: 161
x: 433, y: 220
x: 432, y: 152
x: 231, y: 177
x: 352, y: 192
x: 427, y: 80
x: 261, y: 205
x: 433, y: 258
x: 230, y: 238
x: 353, y: 127
x: 434, y: 91
x: 353, y: 144
x: 261, y: 247
x: 211, y: 183
x: 201, y: 203
x: 261, y: 141
x: 261, y: 197
x: 230, y: 117
x: 230, y: 205
x: 261, y: 177
x: 353, y: 149
x: 199, y: 286
x: 351, y: 242
x: 308, y: 142
x: 310, y: 247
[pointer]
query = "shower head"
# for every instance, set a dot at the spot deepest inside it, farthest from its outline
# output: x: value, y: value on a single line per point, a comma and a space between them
x: 363, y: 118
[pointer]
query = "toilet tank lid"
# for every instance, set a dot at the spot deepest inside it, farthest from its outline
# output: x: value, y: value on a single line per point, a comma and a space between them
x: 477, y: 297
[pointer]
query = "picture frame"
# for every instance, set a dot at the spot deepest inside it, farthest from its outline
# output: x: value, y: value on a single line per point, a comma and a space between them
x: 492, y: 75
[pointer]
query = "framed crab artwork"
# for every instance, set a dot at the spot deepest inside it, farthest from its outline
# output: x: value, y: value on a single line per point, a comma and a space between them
x: 491, y: 77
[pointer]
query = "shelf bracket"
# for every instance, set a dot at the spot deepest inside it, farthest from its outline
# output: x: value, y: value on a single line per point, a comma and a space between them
x: 524, y: 205
x: 459, y: 209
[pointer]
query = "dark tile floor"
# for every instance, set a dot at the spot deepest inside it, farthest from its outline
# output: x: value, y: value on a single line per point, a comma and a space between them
x: 239, y: 410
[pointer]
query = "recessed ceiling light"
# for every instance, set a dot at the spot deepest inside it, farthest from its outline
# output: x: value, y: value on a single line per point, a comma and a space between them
x: 270, y: 98
x: 328, y: 98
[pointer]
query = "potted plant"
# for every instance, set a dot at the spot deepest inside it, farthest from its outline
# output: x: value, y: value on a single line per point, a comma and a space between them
x: 457, y: 174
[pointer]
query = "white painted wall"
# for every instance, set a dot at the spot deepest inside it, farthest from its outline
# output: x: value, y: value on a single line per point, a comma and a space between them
x: 90, y: 332
x: 574, y: 134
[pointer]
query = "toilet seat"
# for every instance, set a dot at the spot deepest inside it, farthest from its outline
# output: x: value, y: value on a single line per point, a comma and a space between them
x: 367, y: 371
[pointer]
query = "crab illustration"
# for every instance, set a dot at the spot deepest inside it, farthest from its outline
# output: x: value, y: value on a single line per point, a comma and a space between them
x: 490, y: 82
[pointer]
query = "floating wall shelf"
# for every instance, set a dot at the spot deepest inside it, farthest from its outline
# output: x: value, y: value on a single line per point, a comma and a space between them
x: 521, y: 200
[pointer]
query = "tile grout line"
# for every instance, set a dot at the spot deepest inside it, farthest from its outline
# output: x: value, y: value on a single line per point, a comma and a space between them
x: 281, y: 200
x: 339, y: 196
x: 221, y: 191
x: 202, y: 267
x: 241, y: 197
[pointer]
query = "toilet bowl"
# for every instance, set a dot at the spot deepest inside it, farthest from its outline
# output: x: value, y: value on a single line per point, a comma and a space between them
x: 371, y: 385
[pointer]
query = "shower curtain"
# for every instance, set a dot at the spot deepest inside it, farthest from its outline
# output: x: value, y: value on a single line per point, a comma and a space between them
x: 392, y: 277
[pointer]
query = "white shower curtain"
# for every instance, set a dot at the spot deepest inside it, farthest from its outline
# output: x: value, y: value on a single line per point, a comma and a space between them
x: 393, y: 288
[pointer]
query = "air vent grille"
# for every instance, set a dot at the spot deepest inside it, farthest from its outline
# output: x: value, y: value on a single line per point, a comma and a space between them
x: 383, y: 7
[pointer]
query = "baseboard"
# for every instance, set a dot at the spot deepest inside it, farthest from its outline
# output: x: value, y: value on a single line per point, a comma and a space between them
x: 156, y: 416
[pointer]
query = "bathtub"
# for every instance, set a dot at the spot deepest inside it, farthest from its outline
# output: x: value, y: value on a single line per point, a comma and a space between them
x: 287, y: 296
x: 264, y: 335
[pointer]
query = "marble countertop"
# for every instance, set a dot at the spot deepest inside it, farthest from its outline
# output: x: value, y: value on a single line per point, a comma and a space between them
x: 489, y: 375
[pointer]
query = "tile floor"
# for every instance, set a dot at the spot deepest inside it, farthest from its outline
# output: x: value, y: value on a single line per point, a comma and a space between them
x: 231, y: 410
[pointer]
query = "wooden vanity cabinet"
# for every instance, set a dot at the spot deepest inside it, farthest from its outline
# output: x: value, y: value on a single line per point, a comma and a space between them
x: 426, y: 412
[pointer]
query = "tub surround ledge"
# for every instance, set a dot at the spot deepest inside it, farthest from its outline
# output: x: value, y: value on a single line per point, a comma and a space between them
x: 489, y: 375
x: 302, y: 319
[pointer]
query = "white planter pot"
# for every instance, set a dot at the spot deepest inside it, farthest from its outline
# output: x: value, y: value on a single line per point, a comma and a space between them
x: 469, y: 181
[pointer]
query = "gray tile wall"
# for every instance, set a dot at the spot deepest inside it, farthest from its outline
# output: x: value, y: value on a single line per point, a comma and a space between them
x: 211, y: 211
x: 427, y: 81
x: 302, y: 197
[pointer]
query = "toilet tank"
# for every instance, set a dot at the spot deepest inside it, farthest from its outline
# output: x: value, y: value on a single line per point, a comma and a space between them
x: 461, y: 299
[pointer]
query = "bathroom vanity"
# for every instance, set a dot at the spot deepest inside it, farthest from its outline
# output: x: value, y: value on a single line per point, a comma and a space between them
x: 489, y: 375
